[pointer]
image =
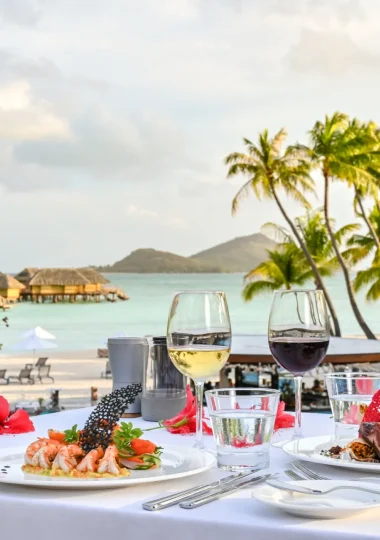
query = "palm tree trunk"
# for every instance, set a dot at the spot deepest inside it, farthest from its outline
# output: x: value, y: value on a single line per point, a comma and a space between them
x: 310, y: 260
x: 367, y: 221
x: 363, y: 325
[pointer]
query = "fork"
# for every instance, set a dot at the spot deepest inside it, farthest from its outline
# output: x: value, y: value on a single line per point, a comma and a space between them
x: 293, y: 475
x: 311, y: 475
x: 301, y: 468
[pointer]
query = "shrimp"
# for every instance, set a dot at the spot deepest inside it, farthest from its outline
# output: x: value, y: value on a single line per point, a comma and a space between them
x: 109, y: 463
x: 45, y: 456
x: 66, y: 459
x: 90, y: 462
x: 35, y: 446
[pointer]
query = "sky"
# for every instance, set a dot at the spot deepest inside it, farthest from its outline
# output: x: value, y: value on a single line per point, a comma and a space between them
x: 115, y: 117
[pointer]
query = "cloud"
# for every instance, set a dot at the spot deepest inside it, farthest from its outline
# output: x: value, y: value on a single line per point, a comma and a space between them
x: 23, y: 117
x: 329, y: 53
x: 21, y: 12
x: 133, y: 210
x: 320, y: 11
x: 103, y: 143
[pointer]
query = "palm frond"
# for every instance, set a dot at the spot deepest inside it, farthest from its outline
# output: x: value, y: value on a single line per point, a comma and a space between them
x: 366, y: 277
x: 257, y: 287
x: 373, y: 293
x: 277, y: 233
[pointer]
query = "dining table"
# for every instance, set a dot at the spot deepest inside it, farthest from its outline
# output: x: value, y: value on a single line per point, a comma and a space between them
x: 106, y: 514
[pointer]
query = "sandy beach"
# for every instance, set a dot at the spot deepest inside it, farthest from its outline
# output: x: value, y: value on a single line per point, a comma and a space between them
x: 74, y: 374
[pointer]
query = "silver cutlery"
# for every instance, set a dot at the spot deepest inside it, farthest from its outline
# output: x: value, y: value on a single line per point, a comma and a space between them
x: 171, y: 500
x: 311, y: 475
x: 285, y: 486
x: 301, y: 468
x: 205, y: 499
x: 293, y: 475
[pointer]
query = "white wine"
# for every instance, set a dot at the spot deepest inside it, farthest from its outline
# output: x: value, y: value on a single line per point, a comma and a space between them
x: 199, y: 361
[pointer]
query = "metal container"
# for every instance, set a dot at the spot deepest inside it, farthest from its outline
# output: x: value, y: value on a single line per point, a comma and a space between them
x: 127, y: 356
x: 164, y: 387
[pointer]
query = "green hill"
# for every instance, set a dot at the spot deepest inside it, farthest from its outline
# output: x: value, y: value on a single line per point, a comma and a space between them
x: 153, y: 261
x: 238, y: 255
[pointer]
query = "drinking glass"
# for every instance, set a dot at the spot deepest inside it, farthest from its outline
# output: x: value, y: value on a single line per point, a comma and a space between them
x: 350, y: 394
x: 242, y: 423
x: 299, y: 335
x: 199, y: 340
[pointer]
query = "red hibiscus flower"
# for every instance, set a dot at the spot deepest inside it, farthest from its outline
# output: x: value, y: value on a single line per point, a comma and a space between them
x: 283, y: 419
x: 185, y: 422
x: 4, y: 409
x: 18, y: 422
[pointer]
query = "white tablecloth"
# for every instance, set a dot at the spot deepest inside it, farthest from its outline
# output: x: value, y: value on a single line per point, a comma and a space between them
x: 39, y: 514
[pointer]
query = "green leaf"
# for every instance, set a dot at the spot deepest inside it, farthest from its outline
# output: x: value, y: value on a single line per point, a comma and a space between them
x: 72, y: 435
x: 123, y: 436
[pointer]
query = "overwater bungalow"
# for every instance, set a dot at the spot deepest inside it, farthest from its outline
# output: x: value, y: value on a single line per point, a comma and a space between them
x: 26, y: 275
x: 60, y: 284
x: 10, y: 287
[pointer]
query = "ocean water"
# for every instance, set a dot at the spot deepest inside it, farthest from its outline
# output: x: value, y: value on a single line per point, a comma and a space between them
x: 87, y: 325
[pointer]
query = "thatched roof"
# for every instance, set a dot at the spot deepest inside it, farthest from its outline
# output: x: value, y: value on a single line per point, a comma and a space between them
x: 9, y: 282
x: 93, y: 276
x: 58, y: 276
x: 67, y: 276
x: 26, y: 275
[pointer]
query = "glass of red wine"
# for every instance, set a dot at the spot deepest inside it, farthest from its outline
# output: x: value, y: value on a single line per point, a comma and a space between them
x: 299, y: 335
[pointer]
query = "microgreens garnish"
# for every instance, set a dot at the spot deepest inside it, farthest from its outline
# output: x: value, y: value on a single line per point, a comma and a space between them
x: 71, y: 435
x: 123, y: 436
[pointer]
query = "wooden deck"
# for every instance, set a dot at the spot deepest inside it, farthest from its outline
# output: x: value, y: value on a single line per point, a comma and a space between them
x: 254, y: 349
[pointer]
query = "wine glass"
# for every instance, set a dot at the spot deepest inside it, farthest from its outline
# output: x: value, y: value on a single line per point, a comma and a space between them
x: 199, y: 340
x: 299, y: 335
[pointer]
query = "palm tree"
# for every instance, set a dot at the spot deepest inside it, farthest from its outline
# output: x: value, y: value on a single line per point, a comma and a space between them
x: 268, y: 170
x: 285, y: 267
x: 342, y: 151
x: 370, y: 187
x: 314, y: 232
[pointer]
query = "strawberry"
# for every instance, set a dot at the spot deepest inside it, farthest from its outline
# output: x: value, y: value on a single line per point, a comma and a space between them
x: 372, y: 413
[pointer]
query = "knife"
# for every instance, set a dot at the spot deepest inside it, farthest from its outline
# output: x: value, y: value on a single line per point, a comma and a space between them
x: 204, y: 499
x: 171, y: 500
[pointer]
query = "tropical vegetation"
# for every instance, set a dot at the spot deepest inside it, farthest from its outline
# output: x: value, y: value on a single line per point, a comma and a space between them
x: 339, y: 149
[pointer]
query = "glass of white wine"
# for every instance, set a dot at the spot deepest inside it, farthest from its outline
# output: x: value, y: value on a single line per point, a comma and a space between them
x: 199, y: 340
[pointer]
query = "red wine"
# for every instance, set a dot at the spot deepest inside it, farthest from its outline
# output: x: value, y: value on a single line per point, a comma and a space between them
x: 298, y: 355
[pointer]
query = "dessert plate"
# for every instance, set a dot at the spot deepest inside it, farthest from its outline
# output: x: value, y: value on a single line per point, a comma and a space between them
x: 338, y: 504
x: 310, y: 448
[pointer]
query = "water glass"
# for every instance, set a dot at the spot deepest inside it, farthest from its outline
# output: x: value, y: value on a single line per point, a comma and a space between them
x: 350, y: 393
x: 242, y: 422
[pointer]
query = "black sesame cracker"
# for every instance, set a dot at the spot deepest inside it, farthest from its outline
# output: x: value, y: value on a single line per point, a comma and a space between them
x: 101, y: 422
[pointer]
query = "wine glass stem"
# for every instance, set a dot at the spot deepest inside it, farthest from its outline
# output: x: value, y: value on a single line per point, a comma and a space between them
x: 298, y: 396
x: 199, y: 414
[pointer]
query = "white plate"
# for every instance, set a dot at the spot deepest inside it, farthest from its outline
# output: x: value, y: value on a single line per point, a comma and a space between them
x: 177, y: 462
x: 338, y: 504
x: 309, y: 449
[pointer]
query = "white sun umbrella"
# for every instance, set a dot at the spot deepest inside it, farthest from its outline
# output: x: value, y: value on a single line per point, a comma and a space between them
x: 39, y: 333
x: 34, y: 344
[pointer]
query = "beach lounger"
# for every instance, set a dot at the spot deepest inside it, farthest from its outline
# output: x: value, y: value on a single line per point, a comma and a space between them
x: 104, y: 374
x: 3, y: 377
x: 44, y: 373
x: 41, y: 362
x: 28, y: 366
x: 25, y: 375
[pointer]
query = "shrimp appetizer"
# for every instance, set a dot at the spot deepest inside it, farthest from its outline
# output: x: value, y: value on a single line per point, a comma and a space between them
x: 102, y: 449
